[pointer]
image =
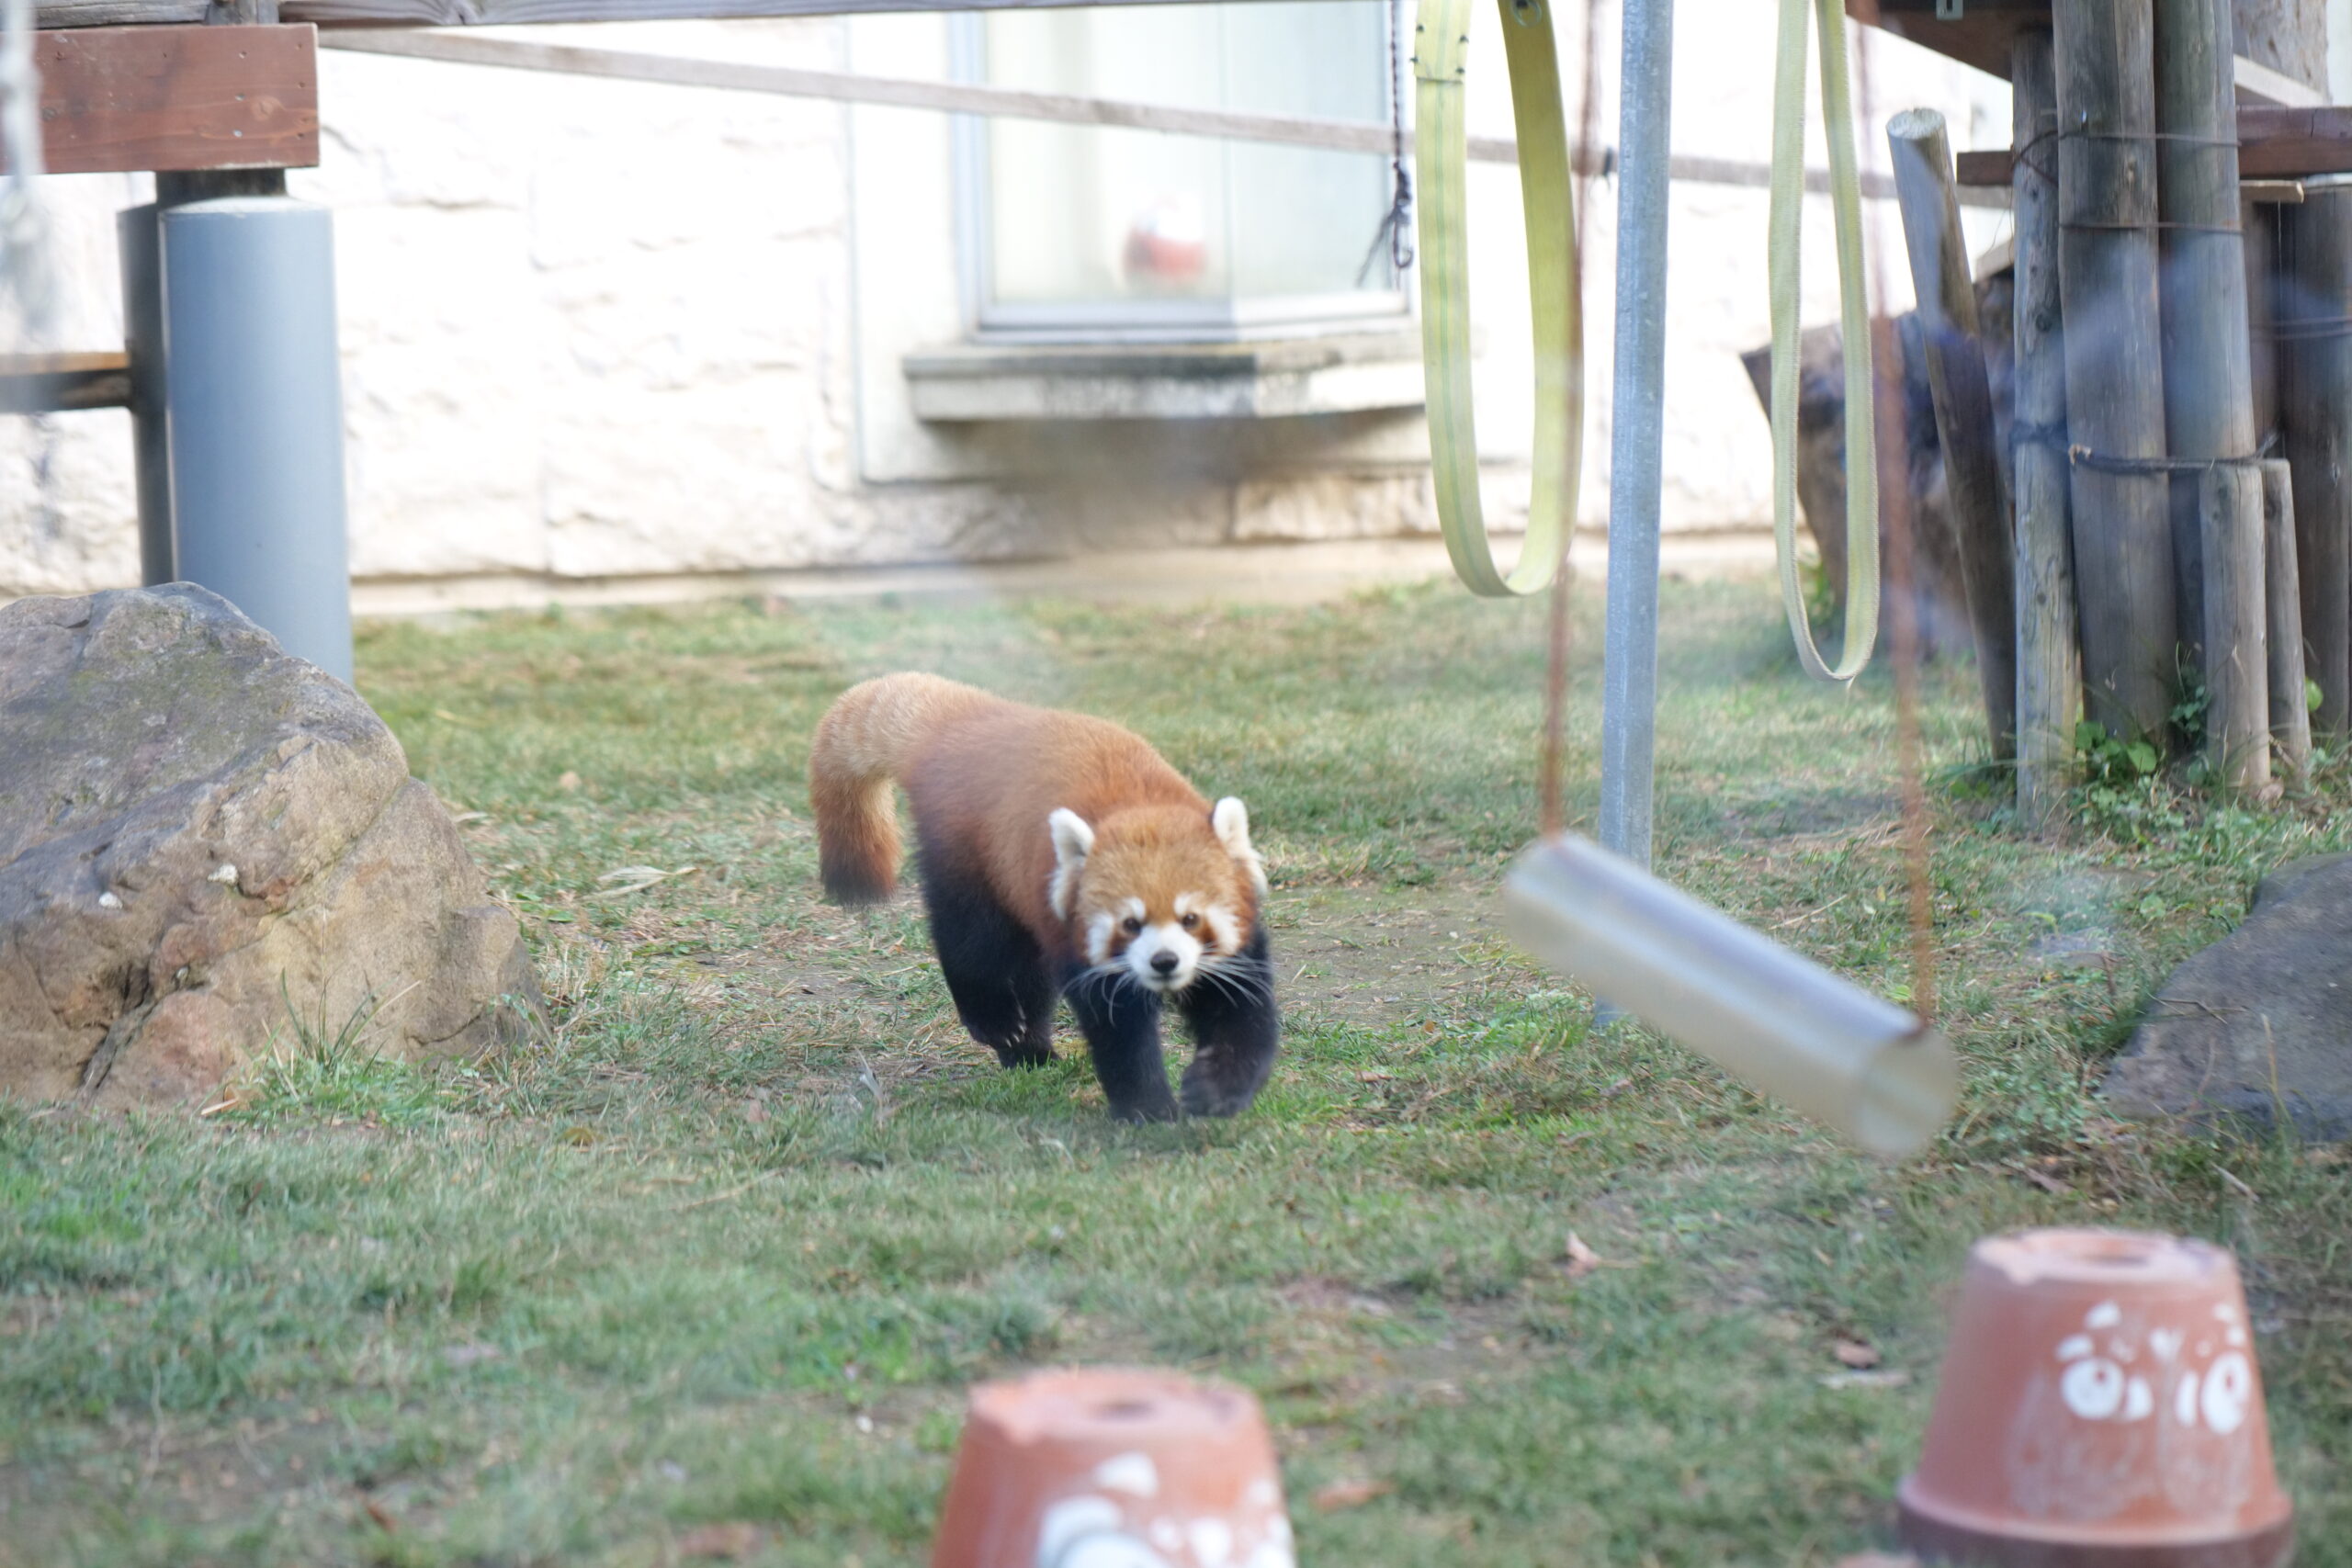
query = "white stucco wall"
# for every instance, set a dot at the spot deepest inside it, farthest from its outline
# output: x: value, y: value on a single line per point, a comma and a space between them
x: 602, y: 329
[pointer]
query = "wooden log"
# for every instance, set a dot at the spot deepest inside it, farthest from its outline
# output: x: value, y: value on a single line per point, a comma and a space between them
x: 2290, y: 713
x: 2115, y: 406
x: 1962, y: 399
x: 114, y: 99
x: 2049, y: 668
x: 2316, y: 346
x: 62, y: 383
x: 2209, y: 391
x: 2237, y: 667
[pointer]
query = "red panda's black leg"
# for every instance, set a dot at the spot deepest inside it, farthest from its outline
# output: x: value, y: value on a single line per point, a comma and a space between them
x: 1235, y: 1027
x: 1121, y: 1022
x: 1003, y: 990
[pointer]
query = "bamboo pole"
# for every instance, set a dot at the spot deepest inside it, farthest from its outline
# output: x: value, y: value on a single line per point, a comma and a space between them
x: 2290, y: 715
x: 2237, y: 669
x: 2049, y: 668
x: 2115, y: 408
x: 1963, y: 396
x: 2315, y: 335
x: 2209, y: 392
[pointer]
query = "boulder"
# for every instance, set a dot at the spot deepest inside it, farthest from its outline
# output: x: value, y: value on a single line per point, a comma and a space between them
x: 2260, y: 1020
x: 200, y: 832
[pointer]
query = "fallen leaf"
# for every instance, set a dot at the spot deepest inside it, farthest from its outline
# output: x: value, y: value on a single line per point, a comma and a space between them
x: 754, y: 1112
x: 376, y: 1511
x: 1581, y: 1260
x: 731, y: 1542
x: 1854, y: 1353
x: 467, y: 1354
x: 1341, y: 1494
x: 2047, y: 1182
x: 568, y: 782
x: 1879, y: 1559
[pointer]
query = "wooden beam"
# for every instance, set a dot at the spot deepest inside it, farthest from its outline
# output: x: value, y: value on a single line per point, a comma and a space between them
x: 1981, y: 36
x: 114, y: 99
x: 2274, y: 143
x: 56, y: 383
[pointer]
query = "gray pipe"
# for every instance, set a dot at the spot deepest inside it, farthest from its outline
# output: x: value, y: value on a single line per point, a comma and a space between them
x: 1637, y: 413
x: 254, y: 401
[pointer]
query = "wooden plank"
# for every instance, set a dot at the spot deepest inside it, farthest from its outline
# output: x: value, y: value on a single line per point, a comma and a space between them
x: 1981, y: 36
x: 2290, y: 716
x: 2315, y: 405
x: 178, y: 97
x: 54, y: 383
x: 2274, y: 143
x: 967, y: 97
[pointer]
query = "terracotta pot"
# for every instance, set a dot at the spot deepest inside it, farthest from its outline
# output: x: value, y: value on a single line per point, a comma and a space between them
x: 1113, y: 1469
x: 2100, y: 1407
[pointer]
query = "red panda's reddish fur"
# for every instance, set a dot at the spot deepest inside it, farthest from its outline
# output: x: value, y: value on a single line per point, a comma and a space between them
x: 1062, y: 859
x: 983, y: 774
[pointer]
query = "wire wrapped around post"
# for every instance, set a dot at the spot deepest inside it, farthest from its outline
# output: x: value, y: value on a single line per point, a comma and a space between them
x: 1440, y: 145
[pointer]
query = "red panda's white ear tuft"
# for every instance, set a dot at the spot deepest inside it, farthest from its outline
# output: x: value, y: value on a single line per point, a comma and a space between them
x: 1073, y: 841
x: 1231, y: 822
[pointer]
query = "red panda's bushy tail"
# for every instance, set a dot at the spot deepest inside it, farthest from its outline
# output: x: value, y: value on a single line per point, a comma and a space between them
x: 863, y: 744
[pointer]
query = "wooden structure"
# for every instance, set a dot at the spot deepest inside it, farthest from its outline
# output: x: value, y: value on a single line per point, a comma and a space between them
x: 2184, y: 303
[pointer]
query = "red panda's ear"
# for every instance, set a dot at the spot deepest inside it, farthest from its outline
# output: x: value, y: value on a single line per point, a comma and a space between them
x: 1073, y: 841
x: 1231, y: 822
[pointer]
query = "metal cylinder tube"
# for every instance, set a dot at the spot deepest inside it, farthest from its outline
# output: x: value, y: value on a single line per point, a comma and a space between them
x: 253, y: 396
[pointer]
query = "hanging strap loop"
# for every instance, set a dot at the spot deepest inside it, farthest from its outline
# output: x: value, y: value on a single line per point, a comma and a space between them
x: 1440, y: 146
x: 1853, y: 315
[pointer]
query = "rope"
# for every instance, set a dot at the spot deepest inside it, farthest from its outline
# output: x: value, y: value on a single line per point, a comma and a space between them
x: 1554, y: 815
x: 1396, y: 225
x: 1903, y: 624
x: 1440, y: 46
x: 1853, y: 314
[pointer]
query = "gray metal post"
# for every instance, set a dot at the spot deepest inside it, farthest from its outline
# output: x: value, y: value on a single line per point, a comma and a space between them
x: 1637, y: 413
x: 254, y: 391
x: 142, y: 334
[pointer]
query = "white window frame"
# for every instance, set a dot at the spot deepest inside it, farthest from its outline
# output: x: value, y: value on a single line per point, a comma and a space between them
x: 1228, y: 319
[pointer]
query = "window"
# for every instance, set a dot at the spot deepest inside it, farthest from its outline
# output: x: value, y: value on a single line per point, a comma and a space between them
x: 1080, y: 234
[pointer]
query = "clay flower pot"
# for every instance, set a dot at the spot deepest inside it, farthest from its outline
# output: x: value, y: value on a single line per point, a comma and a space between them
x: 2100, y: 1407
x: 1111, y: 1468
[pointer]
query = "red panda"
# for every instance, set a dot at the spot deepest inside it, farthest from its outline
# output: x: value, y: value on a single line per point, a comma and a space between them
x: 1062, y: 857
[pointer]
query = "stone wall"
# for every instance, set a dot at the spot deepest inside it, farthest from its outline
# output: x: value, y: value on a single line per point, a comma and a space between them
x: 599, y: 330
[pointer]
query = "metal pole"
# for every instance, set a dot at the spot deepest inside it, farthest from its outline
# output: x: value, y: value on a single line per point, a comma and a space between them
x: 254, y: 391
x: 1637, y: 413
x: 142, y: 332
x: 1637, y: 438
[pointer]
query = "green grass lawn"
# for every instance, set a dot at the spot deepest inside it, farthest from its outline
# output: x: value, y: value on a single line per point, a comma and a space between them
x: 727, y: 1249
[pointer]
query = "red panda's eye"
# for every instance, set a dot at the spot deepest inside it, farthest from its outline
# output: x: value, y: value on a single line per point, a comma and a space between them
x: 1191, y: 921
x: 1133, y: 925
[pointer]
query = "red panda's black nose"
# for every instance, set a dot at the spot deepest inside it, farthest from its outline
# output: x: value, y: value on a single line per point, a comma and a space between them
x: 1164, y: 962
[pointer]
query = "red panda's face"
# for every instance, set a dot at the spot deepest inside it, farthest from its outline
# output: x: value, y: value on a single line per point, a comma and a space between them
x: 1158, y: 893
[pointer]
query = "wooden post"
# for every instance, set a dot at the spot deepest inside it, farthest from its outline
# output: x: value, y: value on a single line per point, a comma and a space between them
x: 2290, y: 715
x: 2237, y: 669
x: 2208, y: 394
x: 2049, y: 668
x: 2315, y: 340
x: 2259, y: 222
x: 1964, y: 404
x: 2115, y: 408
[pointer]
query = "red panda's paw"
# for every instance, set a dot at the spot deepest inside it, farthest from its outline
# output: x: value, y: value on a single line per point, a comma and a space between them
x: 1219, y: 1086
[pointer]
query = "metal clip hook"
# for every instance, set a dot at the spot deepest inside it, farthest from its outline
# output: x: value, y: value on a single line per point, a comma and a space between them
x: 1950, y: 10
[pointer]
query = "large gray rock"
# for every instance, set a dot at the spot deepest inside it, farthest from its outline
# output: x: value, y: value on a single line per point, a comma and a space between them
x: 2259, y: 1020
x: 196, y: 830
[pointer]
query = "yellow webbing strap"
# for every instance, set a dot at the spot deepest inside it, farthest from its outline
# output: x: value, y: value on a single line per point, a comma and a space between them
x: 1440, y: 41
x: 1853, y: 315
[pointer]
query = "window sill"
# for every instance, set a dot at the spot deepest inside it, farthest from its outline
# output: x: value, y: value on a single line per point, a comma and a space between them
x: 1274, y: 379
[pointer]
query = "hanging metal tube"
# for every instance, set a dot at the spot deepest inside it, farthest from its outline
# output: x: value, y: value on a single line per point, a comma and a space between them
x: 1765, y: 1013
